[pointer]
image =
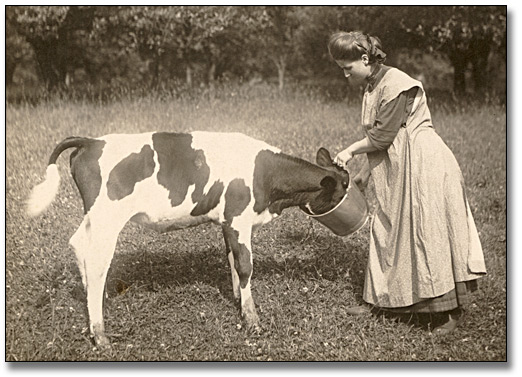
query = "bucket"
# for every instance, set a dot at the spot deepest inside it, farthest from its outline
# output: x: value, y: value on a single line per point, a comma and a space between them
x: 348, y: 216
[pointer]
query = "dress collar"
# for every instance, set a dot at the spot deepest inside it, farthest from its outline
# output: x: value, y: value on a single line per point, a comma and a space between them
x: 375, y: 77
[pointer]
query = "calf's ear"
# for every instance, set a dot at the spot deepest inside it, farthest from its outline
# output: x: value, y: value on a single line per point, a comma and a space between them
x: 323, y: 158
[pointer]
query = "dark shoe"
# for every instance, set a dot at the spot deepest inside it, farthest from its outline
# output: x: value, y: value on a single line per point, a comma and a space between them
x: 358, y: 310
x: 450, y: 326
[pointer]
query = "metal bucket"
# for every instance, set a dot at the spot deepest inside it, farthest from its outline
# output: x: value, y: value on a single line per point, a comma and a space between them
x: 348, y: 216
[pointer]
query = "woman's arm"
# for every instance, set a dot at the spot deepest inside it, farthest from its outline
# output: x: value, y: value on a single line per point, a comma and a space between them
x: 361, y: 146
x: 384, y: 129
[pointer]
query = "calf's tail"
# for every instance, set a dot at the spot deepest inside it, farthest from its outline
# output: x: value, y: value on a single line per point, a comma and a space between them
x: 43, y: 194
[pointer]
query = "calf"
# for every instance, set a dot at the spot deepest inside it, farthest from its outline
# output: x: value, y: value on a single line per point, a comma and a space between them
x: 170, y: 181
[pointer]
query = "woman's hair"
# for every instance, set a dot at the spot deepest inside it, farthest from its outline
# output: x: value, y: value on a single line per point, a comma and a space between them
x: 352, y: 45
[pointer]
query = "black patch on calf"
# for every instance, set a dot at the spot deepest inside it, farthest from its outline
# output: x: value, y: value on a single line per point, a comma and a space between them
x: 241, y: 254
x: 132, y: 169
x: 180, y: 166
x: 210, y: 200
x: 237, y: 198
x: 281, y: 181
x: 242, y: 263
x: 261, y: 185
x: 85, y: 170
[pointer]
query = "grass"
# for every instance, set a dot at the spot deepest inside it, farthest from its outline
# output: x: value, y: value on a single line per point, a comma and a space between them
x: 169, y: 296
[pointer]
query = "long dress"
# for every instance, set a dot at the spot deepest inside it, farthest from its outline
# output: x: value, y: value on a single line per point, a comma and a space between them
x: 423, y: 240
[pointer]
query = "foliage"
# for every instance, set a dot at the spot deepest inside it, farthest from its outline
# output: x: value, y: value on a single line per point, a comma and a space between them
x: 17, y: 51
x: 185, y: 45
x: 56, y: 35
x: 42, y: 22
x: 467, y: 34
x: 277, y: 37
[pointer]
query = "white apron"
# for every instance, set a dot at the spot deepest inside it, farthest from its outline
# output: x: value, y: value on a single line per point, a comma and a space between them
x: 423, y: 236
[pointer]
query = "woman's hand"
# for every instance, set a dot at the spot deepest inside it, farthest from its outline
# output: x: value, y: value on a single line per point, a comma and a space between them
x: 343, y: 157
x: 361, y: 146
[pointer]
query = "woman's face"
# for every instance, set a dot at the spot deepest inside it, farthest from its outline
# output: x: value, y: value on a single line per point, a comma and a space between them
x: 356, y: 71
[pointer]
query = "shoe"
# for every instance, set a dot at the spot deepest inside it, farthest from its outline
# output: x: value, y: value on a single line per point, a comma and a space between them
x: 358, y: 310
x: 448, y: 327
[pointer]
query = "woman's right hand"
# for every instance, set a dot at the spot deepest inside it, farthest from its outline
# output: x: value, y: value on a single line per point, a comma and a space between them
x: 343, y: 157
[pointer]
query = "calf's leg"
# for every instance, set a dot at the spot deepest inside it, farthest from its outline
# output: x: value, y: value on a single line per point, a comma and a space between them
x: 238, y: 240
x: 94, y: 243
x: 233, y: 272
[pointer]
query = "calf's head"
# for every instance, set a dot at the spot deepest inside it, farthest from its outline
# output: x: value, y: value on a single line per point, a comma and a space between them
x: 333, y: 185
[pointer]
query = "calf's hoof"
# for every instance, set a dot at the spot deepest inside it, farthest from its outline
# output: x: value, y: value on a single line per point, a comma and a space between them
x: 251, y: 323
x: 254, y: 329
x: 102, y: 342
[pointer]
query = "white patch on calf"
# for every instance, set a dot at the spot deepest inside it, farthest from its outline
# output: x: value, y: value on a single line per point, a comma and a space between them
x: 230, y: 156
x: 264, y: 217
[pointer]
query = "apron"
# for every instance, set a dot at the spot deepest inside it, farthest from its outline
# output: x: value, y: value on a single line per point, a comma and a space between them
x: 423, y: 237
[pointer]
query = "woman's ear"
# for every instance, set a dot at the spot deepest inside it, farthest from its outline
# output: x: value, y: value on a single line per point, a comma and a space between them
x: 365, y: 59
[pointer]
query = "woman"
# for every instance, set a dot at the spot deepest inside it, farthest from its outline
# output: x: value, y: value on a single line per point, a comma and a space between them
x: 425, y: 253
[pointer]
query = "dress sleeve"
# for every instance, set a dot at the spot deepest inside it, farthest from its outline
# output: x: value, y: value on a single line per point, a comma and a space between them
x: 390, y: 119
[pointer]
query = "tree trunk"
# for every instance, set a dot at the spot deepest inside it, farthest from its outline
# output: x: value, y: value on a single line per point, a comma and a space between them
x: 479, y: 61
x: 212, y: 74
x: 188, y: 75
x: 459, y: 61
x: 47, y: 56
x: 281, y: 68
x: 154, y: 67
x: 10, y: 67
x: 281, y: 77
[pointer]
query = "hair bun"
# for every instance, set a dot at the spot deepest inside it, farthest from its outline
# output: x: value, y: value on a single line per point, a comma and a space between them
x: 375, y: 51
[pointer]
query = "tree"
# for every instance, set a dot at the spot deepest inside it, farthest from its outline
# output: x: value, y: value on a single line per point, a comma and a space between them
x: 147, y: 31
x: 279, y: 37
x: 168, y: 37
x: 466, y: 34
x: 17, y: 50
x: 55, y: 34
x: 132, y: 43
x: 204, y: 32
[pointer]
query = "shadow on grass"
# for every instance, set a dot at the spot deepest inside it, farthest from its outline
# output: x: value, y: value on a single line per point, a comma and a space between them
x: 147, y: 264
x: 308, y: 259
x: 424, y: 321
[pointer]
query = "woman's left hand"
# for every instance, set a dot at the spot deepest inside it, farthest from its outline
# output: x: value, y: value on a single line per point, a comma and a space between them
x: 343, y: 157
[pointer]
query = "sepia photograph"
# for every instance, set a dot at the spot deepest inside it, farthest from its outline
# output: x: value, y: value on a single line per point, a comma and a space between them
x: 269, y: 183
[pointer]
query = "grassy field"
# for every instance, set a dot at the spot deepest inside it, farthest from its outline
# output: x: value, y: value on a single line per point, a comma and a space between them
x: 169, y: 296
